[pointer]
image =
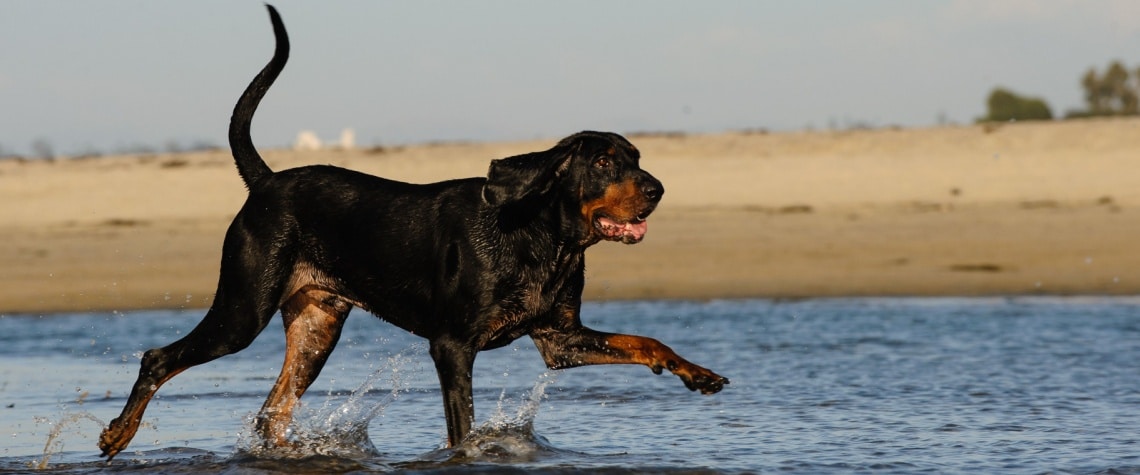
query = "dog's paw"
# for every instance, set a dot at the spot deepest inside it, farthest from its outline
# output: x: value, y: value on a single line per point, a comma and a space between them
x: 113, y: 440
x: 703, y: 380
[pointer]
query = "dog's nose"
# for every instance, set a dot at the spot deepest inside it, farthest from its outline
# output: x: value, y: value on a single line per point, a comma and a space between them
x: 652, y: 189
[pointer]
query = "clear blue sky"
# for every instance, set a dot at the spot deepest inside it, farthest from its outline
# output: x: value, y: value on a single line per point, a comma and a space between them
x: 109, y: 75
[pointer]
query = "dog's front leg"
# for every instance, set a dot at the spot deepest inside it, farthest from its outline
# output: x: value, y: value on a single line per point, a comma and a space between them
x: 583, y: 346
x: 454, y: 362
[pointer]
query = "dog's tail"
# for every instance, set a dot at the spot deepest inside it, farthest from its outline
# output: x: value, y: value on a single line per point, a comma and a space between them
x: 250, y: 165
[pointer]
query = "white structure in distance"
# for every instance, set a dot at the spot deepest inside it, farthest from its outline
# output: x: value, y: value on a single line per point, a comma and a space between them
x: 307, y: 140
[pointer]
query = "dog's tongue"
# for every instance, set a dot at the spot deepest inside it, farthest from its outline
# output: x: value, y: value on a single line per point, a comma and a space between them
x: 632, y: 232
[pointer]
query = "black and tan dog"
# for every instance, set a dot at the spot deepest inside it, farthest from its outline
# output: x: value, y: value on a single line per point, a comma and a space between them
x: 469, y: 264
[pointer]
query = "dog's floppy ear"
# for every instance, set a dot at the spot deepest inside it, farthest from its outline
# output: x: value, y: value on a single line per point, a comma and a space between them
x: 515, y: 179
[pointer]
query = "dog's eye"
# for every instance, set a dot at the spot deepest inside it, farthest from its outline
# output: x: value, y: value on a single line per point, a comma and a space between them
x: 603, y: 162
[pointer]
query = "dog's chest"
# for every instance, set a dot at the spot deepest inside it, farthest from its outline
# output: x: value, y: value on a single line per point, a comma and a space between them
x: 526, y: 300
x: 530, y: 295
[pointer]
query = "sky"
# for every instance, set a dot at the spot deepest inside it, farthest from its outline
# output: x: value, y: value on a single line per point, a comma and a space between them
x: 119, y: 75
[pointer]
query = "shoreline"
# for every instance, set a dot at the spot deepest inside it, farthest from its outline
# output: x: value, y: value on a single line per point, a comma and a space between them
x: 1048, y: 208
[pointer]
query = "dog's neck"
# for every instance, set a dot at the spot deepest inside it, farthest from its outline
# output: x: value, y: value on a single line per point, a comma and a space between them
x: 537, y: 220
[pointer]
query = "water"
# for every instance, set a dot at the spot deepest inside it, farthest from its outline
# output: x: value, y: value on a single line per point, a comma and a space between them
x: 1022, y: 385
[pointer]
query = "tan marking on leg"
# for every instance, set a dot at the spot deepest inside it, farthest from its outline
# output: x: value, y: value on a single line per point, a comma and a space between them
x: 122, y: 429
x: 313, y: 321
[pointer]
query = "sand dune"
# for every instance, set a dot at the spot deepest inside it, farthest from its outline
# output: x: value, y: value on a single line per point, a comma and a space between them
x: 1028, y: 208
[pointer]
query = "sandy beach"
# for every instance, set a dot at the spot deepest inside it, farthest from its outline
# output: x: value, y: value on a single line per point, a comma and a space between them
x: 1027, y: 208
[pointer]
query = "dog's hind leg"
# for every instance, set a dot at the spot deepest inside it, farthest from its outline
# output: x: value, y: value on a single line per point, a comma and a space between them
x: 313, y: 318
x: 246, y: 299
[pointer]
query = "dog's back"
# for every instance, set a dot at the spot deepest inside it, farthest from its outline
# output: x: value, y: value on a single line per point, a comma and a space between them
x: 393, y: 246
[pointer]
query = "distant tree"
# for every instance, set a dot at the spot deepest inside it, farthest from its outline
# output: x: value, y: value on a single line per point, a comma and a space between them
x: 1116, y: 92
x: 1004, y: 105
x: 202, y: 145
x: 41, y: 148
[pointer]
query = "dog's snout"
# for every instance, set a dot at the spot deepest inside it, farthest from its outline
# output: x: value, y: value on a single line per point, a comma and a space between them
x: 652, y: 189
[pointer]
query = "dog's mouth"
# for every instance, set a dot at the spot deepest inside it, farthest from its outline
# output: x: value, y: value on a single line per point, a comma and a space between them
x: 629, y: 232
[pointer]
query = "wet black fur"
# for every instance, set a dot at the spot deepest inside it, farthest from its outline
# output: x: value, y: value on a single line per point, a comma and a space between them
x: 469, y: 264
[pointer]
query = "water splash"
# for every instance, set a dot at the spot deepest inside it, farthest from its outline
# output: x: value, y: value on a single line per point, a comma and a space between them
x: 54, y: 443
x: 507, y: 437
x: 336, y: 428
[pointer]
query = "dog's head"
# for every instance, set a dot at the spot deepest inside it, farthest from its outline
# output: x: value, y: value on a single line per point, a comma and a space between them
x: 592, y: 179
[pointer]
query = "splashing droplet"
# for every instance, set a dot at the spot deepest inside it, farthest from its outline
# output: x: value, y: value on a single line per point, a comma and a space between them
x: 506, y: 437
x: 337, y: 428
